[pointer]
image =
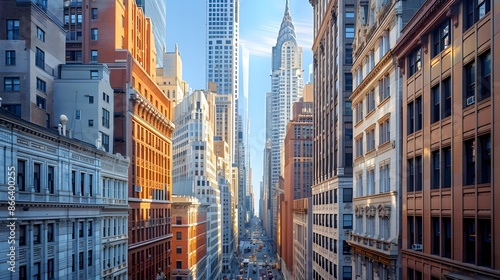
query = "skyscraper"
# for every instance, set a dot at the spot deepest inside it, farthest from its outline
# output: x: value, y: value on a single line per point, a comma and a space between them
x: 286, y: 88
x: 156, y: 10
x: 334, y: 23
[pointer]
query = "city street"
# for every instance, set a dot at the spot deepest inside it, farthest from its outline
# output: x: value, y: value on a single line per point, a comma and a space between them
x: 261, y: 265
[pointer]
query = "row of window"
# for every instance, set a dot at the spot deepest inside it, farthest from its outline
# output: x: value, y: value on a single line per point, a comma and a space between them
x: 477, y: 241
x: 384, y: 91
x: 384, y: 136
x: 477, y: 165
x: 383, y: 181
x: 330, y: 197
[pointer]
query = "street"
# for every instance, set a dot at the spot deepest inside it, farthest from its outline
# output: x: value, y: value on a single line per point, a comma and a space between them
x: 256, y: 260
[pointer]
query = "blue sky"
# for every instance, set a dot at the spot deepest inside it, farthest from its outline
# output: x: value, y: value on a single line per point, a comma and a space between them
x: 259, y: 24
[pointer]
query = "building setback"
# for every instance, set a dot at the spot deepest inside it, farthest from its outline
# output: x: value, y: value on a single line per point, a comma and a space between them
x: 119, y: 34
x: 450, y: 222
x: 334, y: 25
x: 286, y: 88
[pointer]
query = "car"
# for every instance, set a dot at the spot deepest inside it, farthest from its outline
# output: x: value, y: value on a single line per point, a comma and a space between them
x: 265, y: 256
x: 254, y: 271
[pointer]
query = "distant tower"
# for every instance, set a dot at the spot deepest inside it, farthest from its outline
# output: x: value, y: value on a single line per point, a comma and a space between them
x: 157, y: 11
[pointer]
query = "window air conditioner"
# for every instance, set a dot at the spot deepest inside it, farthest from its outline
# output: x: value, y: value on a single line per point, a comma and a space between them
x: 471, y: 100
x: 417, y: 247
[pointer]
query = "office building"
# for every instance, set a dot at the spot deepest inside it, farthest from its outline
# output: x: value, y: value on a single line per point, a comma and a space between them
x: 445, y: 53
x: 84, y: 94
x: 190, y: 230
x: 286, y: 88
x: 334, y: 25
x: 119, y: 34
x: 302, y: 239
x: 156, y: 10
x: 195, y: 167
x: 32, y: 45
x: 70, y: 205
x: 169, y: 77
x: 297, y: 173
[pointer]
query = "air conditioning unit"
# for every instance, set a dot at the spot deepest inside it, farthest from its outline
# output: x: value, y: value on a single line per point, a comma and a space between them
x: 417, y: 247
x: 471, y: 100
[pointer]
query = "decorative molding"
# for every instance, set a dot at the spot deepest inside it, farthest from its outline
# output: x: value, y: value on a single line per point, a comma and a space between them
x: 453, y: 13
x: 375, y: 71
x: 423, y: 42
x: 384, y: 211
x: 401, y: 64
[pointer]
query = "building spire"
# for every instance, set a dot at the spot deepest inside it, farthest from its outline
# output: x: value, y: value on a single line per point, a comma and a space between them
x: 287, y: 9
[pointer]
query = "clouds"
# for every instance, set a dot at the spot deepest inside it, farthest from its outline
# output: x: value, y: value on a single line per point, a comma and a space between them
x: 262, y: 37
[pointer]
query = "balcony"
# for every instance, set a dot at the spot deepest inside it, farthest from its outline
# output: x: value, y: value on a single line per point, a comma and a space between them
x: 385, y: 247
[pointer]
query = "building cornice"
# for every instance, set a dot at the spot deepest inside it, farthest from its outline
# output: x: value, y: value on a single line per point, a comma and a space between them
x: 144, y: 103
x: 372, y: 75
x: 324, y: 25
x: 424, y: 20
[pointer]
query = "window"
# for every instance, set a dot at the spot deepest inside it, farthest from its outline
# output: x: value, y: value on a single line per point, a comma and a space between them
x: 446, y: 238
x: 41, y: 85
x: 50, y: 232
x: 415, y: 61
x: 80, y: 229
x: 484, y: 76
x: 73, y: 263
x: 94, y: 34
x: 441, y: 38
x: 10, y: 57
x: 80, y: 260
x: 82, y: 184
x: 41, y: 102
x: 385, y: 178
x: 179, y: 264
x: 105, y: 118
x: 484, y: 242
x: 349, y: 31
x: 36, y: 271
x: 347, y: 221
x: 12, y: 29
x: 359, y: 111
x: 93, y: 55
x: 91, y: 99
x: 359, y: 147
x: 73, y: 182
x: 414, y: 232
x: 105, y: 141
x: 94, y: 13
x: 50, y: 269
x: 370, y: 182
x: 40, y: 58
x: 370, y: 140
x: 475, y: 10
x: 370, y: 102
x: 91, y: 187
x: 470, y: 84
x: 40, y: 34
x: 346, y: 249
x: 89, y: 228
x: 11, y: 84
x: 21, y: 174
x: 36, y: 177
x: 178, y: 235
x: 89, y: 257
x: 179, y: 250
x: 348, y: 81
x: 36, y: 234
x: 347, y: 195
x: 22, y: 235
x: 348, y: 56
x: 414, y: 177
x: 94, y: 74
x: 435, y: 236
x: 384, y: 89
x: 74, y: 56
x: 384, y: 132
x: 50, y: 179
x: 91, y: 123
x: 469, y: 248
x: 435, y: 173
x: 347, y: 273
x: 414, y: 115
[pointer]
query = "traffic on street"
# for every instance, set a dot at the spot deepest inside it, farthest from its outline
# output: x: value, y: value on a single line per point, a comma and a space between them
x: 256, y: 259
